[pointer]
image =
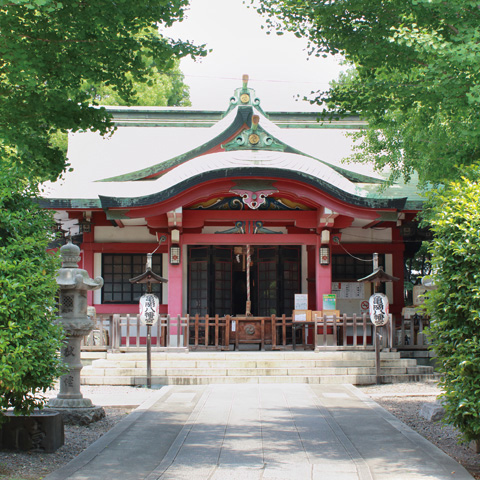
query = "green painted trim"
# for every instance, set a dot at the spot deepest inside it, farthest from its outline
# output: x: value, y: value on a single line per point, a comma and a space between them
x: 73, y: 203
x: 309, y: 126
x: 183, y: 117
x: 165, y: 124
x: 395, y: 203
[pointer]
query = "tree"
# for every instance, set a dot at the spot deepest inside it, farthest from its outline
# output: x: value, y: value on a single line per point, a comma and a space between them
x: 157, y: 89
x: 49, y: 51
x: 454, y: 306
x: 415, y: 77
x: 29, y: 342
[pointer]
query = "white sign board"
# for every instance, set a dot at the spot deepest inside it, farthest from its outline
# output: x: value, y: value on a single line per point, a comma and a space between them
x: 301, y: 301
x: 349, y: 290
x: 149, y: 309
x: 379, y: 309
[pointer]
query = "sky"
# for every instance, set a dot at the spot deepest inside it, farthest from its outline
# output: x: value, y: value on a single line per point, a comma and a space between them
x: 278, y: 66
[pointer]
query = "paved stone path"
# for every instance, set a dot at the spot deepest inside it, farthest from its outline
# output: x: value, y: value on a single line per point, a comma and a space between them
x: 261, y: 432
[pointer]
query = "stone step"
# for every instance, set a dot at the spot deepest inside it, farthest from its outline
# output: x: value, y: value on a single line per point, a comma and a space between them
x: 250, y: 367
x: 244, y: 356
x: 205, y: 380
x: 240, y: 372
x: 250, y: 364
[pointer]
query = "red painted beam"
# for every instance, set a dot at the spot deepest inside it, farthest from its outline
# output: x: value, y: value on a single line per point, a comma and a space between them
x: 292, y: 189
x: 251, y: 239
x: 198, y: 218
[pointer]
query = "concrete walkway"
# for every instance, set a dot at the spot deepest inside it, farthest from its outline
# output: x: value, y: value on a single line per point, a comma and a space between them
x: 268, y: 432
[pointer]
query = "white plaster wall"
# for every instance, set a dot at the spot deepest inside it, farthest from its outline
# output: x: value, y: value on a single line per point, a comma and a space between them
x: 124, y: 235
x: 367, y: 235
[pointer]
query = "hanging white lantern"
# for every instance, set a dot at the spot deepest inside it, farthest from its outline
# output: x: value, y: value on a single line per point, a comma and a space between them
x: 379, y: 309
x: 149, y: 309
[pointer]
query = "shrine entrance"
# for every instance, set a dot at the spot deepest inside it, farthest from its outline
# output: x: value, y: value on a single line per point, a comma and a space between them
x: 219, y: 282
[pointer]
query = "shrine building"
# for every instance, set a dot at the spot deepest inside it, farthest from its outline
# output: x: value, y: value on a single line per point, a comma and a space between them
x: 242, y: 210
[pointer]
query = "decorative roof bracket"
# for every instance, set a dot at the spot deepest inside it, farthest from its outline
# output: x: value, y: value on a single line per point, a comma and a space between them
x: 254, y: 138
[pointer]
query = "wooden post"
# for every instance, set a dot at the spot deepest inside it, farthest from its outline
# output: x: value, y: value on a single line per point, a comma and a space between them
x: 274, y: 332
x: 179, y: 329
x: 149, y: 355
x: 227, y: 332
x: 377, y: 355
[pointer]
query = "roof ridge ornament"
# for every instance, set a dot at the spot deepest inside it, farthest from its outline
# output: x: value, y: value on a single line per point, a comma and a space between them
x: 254, y: 138
x: 244, y: 95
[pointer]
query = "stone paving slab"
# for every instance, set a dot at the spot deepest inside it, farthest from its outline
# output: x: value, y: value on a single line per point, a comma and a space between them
x: 261, y: 432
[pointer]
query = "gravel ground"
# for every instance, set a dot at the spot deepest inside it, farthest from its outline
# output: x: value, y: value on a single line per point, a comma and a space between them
x: 403, y: 400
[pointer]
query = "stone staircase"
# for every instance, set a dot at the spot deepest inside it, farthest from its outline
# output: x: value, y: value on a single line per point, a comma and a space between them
x: 199, y: 368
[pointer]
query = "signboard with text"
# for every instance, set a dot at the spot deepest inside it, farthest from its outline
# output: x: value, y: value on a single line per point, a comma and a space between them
x: 301, y: 301
x: 329, y: 302
x: 349, y: 290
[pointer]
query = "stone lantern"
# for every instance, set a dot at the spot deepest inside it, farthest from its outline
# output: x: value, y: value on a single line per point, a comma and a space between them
x: 73, y: 283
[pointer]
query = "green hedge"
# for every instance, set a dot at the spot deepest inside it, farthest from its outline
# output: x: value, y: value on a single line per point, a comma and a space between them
x: 454, y: 217
x: 29, y: 342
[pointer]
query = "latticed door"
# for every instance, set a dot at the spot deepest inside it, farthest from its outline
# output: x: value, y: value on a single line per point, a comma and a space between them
x: 222, y: 288
x: 290, y: 264
x: 267, y: 261
x: 278, y: 279
x: 198, y: 291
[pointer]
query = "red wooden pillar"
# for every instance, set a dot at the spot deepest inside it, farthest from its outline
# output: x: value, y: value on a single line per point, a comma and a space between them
x: 323, y: 276
x: 398, y: 270
x: 311, y: 283
x: 88, y: 259
x: 175, y: 289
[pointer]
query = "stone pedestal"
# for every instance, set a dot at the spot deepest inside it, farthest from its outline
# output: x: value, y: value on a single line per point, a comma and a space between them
x: 40, y: 432
x: 475, y: 446
x: 433, y: 412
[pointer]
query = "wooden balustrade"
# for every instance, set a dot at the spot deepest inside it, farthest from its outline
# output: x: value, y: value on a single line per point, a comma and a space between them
x: 410, y: 333
x: 125, y: 332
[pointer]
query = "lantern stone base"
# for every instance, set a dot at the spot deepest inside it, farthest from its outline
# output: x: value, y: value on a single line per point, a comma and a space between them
x: 42, y: 431
x: 80, y: 415
x: 77, y: 411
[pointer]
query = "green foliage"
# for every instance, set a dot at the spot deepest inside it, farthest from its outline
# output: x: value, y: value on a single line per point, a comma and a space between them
x: 156, y: 90
x: 50, y: 50
x: 454, y: 306
x: 416, y: 77
x: 29, y: 342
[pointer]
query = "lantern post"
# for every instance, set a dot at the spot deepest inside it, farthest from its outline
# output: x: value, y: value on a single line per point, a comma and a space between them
x: 149, y: 308
x: 378, y: 308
